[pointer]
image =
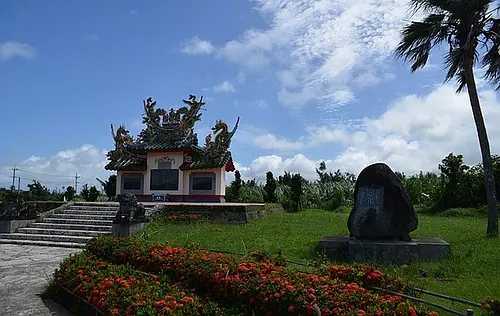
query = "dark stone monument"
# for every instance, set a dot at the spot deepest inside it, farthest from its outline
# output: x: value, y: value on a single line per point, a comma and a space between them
x: 130, y: 217
x: 382, y: 208
x: 380, y: 223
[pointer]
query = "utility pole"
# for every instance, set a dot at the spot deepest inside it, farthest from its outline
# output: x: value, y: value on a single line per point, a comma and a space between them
x: 18, y: 185
x: 13, y: 187
x: 76, y: 182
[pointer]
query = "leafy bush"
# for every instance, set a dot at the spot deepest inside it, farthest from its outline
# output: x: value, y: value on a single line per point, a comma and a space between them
x: 120, y: 290
x: 294, y: 194
x: 89, y: 194
x: 265, y: 287
x: 70, y: 193
x: 251, y: 194
x: 39, y: 192
x: 458, y: 186
x: 234, y: 190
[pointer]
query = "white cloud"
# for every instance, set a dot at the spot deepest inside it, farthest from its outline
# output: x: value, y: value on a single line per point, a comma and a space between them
x: 197, y: 46
x: 321, y: 50
x: 224, y: 87
x: 415, y: 133
x: 12, y: 49
x: 273, y: 142
x: 278, y: 165
x: 322, y: 134
x: 59, y: 169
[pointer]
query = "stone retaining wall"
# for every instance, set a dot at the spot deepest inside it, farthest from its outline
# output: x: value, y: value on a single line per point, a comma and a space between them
x: 10, y: 226
x: 227, y: 213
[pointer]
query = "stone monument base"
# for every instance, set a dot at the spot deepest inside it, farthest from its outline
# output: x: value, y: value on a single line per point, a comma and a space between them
x: 126, y: 229
x: 344, y: 248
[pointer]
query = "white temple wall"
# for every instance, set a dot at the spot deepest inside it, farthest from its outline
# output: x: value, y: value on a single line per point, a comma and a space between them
x: 173, y: 160
x: 220, y: 187
x: 153, y: 159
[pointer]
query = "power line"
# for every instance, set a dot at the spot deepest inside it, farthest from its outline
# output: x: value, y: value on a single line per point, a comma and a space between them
x: 44, y: 174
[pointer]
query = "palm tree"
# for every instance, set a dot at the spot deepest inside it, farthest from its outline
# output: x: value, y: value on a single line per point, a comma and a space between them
x: 470, y: 30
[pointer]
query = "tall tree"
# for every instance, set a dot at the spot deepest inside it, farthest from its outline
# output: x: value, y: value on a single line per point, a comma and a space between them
x: 470, y: 30
x: 270, y: 188
x: 70, y: 193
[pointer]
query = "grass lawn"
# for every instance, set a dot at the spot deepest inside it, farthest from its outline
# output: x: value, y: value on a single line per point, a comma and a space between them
x: 473, y: 270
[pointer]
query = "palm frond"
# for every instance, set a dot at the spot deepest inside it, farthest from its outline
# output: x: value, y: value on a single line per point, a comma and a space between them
x: 459, y: 7
x: 432, y: 6
x: 420, y: 37
x: 455, y: 63
x: 491, y: 61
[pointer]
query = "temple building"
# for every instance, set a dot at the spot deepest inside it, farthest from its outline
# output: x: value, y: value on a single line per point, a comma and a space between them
x: 166, y: 163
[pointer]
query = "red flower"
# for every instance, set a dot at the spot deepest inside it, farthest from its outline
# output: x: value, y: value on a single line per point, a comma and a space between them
x: 411, y: 311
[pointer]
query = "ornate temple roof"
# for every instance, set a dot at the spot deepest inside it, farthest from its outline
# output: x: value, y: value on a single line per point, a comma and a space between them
x: 172, y: 131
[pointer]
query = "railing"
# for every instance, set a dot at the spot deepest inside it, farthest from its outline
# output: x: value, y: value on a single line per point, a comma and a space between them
x: 467, y: 312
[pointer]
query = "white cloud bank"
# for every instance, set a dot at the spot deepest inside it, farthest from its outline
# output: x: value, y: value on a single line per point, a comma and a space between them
x: 278, y: 165
x: 415, y: 133
x: 59, y: 169
x: 321, y: 50
x: 12, y: 49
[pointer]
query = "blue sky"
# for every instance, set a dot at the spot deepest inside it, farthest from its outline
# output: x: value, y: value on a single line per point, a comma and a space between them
x: 311, y: 81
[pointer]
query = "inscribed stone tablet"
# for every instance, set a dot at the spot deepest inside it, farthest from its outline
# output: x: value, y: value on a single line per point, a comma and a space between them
x: 370, y: 197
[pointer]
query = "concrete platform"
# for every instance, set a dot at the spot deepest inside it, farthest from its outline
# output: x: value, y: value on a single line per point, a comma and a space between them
x: 222, y: 212
x: 344, y: 248
x: 24, y: 275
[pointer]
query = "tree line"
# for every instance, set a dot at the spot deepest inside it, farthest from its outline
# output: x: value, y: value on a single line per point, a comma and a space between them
x: 456, y: 185
x: 38, y: 192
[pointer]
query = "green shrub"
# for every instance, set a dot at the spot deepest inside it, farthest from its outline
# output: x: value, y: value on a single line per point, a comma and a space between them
x: 89, y: 194
x: 251, y: 194
x: 70, y: 193
x: 270, y: 188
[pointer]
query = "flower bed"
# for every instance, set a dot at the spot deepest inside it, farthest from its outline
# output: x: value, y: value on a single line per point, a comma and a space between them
x: 262, y: 287
x: 120, y: 290
x: 183, y: 217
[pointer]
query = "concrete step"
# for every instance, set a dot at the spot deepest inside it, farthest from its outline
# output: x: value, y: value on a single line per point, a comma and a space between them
x: 41, y: 243
x: 86, y: 212
x: 84, y: 216
x: 93, y: 208
x: 108, y: 204
x: 74, y: 221
x: 104, y: 228
x: 56, y: 238
x: 65, y: 232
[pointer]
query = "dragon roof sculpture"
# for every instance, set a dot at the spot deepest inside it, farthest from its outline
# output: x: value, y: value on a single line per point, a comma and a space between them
x: 171, y: 131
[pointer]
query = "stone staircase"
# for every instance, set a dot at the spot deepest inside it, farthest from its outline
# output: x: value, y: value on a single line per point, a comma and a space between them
x: 71, y: 227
